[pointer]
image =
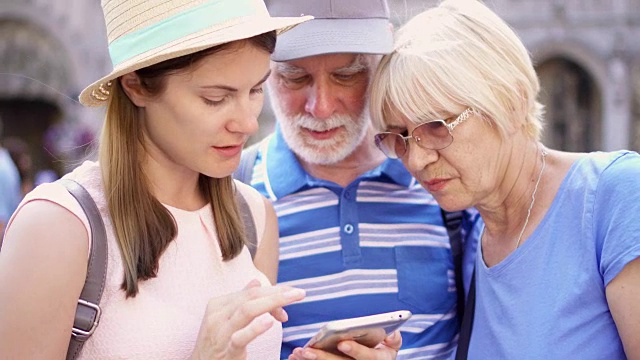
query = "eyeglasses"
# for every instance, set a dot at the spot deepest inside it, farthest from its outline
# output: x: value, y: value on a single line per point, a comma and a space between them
x: 432, y: 135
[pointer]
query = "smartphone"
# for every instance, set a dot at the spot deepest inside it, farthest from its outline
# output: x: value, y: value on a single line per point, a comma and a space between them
x: 367, y: 330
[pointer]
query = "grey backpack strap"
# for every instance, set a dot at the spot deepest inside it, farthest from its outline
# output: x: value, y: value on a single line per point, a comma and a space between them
x: 243, y: 173
x: 249, y: 224
x: 247, y: 161
x: 88, y: 310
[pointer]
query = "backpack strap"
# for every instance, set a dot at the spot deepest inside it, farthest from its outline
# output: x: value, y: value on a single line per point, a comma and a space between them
x: 467, y: 322
x: 88, y: 310
x: 453, y: 223
x: 243, y: 173
x: 249, y: 224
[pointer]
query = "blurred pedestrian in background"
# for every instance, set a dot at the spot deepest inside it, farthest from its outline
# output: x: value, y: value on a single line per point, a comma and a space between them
x: 10, y: 194
x: 21, y: 156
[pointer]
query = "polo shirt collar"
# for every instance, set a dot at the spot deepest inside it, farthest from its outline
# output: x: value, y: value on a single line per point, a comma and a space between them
x: 394, y: 170
x: 284, y: 172
x: 286, y: 175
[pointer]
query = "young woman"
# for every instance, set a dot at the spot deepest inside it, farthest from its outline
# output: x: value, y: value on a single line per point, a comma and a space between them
x: 182, y: 100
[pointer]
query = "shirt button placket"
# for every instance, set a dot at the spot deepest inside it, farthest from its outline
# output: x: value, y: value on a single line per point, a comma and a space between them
x: 348, y: 222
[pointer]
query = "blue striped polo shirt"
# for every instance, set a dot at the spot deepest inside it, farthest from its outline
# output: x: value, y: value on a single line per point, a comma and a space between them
x: 375, y: 246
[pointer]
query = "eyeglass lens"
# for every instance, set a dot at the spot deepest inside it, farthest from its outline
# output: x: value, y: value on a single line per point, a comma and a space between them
x: 432, y: 135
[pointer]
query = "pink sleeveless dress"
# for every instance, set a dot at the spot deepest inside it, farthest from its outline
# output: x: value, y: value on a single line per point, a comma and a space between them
x: 163, y: 320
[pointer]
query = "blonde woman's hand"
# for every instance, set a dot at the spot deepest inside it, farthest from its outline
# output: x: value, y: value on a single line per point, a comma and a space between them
x: 387, y: 350
x: 232, y: 321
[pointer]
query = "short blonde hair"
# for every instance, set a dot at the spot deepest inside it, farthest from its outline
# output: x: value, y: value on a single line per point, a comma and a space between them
x: 457, y: 55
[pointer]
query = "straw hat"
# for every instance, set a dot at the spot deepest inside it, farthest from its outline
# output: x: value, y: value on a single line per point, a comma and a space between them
x: 145, y: 32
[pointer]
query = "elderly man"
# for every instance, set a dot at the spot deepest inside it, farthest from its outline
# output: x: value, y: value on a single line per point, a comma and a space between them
x: 356, y: 230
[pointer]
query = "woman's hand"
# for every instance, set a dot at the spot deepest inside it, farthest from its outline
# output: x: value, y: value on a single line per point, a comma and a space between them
x: 387, y: 350
x: 231, y: 322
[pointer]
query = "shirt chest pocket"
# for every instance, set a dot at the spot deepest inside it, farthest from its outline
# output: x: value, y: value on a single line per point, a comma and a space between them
x: 426, y: 281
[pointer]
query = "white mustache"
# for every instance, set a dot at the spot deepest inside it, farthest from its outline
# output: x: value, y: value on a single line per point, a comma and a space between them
x: 309, y: 122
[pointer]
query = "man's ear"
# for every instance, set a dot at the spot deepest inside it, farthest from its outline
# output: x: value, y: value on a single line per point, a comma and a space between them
x: 132, y: 86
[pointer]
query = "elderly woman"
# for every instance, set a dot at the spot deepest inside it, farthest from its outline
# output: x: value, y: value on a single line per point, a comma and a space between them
x: 558, y: 267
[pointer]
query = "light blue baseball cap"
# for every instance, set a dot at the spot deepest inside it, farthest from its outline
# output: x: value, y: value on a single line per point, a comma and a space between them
x: 339, y: 26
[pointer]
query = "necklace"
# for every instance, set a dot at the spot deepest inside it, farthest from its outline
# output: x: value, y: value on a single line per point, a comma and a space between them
x: 533, y: 197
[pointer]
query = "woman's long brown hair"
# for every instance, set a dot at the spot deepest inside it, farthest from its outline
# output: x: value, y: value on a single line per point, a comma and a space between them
x: 143, y: 226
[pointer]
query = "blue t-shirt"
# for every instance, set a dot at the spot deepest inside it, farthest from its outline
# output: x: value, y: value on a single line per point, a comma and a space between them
x: 546, y: 300
x: 376, y: 245
x: 10, y: 194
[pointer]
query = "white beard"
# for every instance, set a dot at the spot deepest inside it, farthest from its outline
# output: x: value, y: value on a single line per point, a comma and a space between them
x: 322, y: 152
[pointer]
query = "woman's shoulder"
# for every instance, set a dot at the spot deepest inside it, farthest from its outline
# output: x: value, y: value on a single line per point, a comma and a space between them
x: 617, y: 166
x: 614, y: 159
x: 49, y: 206
x: 609, y: 167
x: 88, y: 174
x: 613, y: 177
x: 57, y: 194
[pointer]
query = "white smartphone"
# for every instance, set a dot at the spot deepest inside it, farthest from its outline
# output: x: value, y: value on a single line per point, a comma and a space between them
x: 366, y: 330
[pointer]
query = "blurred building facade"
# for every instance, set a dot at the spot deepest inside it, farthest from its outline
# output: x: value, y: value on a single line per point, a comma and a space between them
x: 49, y: 50
x: 586, y: 52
